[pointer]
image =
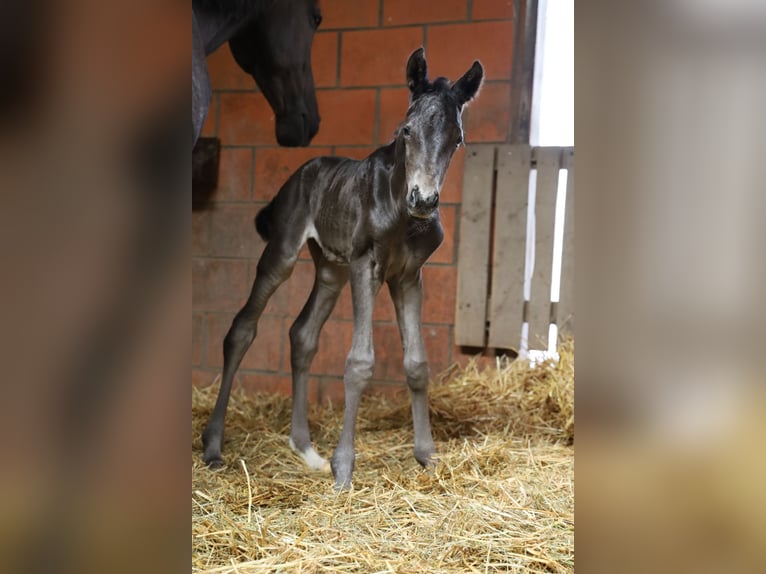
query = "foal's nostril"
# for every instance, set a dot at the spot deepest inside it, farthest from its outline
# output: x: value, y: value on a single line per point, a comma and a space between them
x: 415, y: 189
x: 434, y: 201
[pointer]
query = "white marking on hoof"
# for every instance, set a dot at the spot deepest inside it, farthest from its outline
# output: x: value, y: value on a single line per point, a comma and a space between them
x: 311, y: 458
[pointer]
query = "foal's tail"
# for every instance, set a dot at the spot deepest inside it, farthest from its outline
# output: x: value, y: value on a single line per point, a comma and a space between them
x: 263, y: 221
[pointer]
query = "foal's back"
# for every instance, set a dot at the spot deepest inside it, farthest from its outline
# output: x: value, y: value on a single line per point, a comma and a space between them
x: 347, y: 206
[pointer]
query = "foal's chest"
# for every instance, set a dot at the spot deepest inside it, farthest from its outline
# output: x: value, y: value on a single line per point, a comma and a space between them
x: 411, y: 248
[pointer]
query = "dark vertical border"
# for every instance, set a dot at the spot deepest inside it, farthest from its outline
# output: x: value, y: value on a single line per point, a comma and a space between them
x: 522, y: 77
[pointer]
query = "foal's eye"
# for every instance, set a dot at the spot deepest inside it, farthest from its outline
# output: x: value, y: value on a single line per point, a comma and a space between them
x: 406, y: 131
x: 317, y: 19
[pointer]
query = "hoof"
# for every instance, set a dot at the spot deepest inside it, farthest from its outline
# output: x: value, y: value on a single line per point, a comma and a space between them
x: 425, y: 457
x: 311, y: 458
x: 211, y: 445
x: 342, y: 470
x: 342, y: 486
x: 214, y: 462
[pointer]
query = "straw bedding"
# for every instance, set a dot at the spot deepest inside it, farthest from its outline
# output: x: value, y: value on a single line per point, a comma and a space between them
x: 500, y: 498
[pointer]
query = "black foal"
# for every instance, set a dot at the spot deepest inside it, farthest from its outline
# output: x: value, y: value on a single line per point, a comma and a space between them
x: 370, y: 221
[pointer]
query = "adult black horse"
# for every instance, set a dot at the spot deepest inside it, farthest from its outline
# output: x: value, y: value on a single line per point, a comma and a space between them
x: 271, y: 41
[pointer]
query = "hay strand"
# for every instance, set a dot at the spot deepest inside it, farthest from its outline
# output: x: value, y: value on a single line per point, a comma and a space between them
x: 249, y: 493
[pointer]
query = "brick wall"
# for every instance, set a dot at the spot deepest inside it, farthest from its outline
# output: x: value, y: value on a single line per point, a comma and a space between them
x: 358, y: 60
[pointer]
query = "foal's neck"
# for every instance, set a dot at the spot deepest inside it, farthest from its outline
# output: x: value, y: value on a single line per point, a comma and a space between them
x: 398, y: 171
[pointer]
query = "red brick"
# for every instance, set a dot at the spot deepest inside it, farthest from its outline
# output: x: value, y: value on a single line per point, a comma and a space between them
x: 305, y: 254
x: 272, y: 384
x: 334, y: 345
x: 354, y: 152
x: 377, y: 57
x: 349, y: 14
x: 388, y: 352
x: 452, y: 190
x: 439, y: 285
x: 324, y: 59
x: 198, y: 324
x: 233, y: 232
x: 219, y: 284
x: 397, y: 12
x: 348, y: 117
x: 438, y: 347
x: 210, y: 127
x: 384, y: 307
x: 225, y: 73
x: 200, y: 233
x: 389, y: 355
x: 492, y: 9
x: 235, y: 175
x: 246, y: 119
x: 446, y: 251
x: 265, y: 352
x: 344, y: 309
x: 395, y: 391
x: 274, y: 166
x: 299, y: 289
x: 393, y: 108
x: 453, y: 48
x: 332, y: 391
x: 487, y: 118
x: 203, y: 378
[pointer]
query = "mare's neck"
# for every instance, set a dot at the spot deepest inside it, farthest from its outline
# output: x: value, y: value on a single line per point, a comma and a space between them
x: 217, y: 28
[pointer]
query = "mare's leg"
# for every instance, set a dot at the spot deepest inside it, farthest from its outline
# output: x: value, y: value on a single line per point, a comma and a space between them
x: 274, y: 267
x: 407, y: 295
x: 359, y: 365
x: 304, y: 339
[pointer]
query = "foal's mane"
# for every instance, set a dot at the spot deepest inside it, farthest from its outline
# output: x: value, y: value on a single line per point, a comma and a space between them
x: 440, y: 85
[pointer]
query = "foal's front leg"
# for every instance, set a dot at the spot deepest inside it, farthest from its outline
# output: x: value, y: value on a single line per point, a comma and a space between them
x: 359, y: 365
x: 407, y: 295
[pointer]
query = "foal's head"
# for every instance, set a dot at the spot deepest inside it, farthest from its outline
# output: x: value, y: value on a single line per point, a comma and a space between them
x: 275, y: 48
x: 432, y: 130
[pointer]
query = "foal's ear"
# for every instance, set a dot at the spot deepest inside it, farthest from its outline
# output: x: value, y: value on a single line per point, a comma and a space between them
x: 466, y: 87
x: 417, y: 73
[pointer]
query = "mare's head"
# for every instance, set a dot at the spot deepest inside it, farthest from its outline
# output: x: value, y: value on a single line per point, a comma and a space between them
x: 433, y: 130
x: 275, y: 48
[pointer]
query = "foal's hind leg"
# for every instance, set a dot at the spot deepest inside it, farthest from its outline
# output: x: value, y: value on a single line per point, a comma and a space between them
x: 304, y: 338
x: 274, y: 267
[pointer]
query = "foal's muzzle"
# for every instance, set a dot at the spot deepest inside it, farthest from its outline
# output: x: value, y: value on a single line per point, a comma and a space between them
x: 421, y: 205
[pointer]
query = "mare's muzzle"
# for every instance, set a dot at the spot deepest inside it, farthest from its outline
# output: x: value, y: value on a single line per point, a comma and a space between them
x: 296, y: 129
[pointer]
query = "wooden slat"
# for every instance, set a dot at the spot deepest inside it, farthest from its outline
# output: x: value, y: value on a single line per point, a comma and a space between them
x: 473, y: 250
x: 565, y: 307
x: 539, y: 308
x: 507, y: 295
